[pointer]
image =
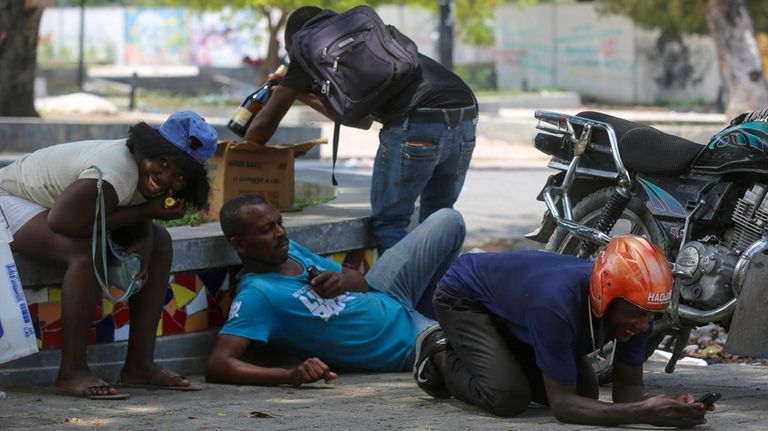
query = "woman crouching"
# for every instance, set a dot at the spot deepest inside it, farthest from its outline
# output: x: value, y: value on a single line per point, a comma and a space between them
x: 49, y: 198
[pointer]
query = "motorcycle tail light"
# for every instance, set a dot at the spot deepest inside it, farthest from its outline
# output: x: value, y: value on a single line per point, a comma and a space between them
x: 554, y: 145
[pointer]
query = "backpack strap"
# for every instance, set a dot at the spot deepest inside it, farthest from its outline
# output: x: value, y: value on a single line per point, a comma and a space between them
x: 336, y: 130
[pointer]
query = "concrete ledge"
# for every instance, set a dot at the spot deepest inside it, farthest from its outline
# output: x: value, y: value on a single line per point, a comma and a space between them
x: 183, y: 353
x: 204, y: 247
x: 336, y: 226
x: 27, y: 134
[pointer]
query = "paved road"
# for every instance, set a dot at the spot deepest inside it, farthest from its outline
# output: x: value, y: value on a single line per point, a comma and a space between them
x: 356, y: 402
x: 498, y: 201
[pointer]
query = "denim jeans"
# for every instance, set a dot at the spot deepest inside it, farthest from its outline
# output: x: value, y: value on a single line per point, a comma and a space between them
x: 417, y: 159
x: 409, y: 271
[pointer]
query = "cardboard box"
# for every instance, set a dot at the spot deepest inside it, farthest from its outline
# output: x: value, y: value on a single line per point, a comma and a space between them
x: 245, y: 167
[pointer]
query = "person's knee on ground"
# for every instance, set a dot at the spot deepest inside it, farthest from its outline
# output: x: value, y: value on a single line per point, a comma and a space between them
x: 505, y: 397
x: 508, y: 404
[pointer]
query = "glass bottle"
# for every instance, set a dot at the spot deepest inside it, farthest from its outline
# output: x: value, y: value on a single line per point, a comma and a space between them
x: 252, y: 104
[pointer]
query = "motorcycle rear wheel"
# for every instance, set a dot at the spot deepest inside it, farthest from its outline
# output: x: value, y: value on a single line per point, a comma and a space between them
x: 636, y: 219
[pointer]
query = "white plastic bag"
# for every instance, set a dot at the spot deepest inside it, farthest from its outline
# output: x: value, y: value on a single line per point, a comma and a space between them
x: 17, y: 335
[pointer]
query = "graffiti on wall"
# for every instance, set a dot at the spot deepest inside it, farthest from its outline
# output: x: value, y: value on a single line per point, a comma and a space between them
x: 156, y: 36
x: 152, y: 36
x: 226, y: 39
x: 678, y: 64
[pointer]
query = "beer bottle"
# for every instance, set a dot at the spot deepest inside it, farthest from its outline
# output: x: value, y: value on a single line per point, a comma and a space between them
x: 252, y: 104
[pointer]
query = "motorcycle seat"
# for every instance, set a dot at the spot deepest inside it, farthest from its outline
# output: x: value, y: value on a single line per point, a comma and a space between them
x: 646, y: 149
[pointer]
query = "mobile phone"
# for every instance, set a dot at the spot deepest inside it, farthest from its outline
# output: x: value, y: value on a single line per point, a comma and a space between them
x: 709, y: 398
x: 312, y: 272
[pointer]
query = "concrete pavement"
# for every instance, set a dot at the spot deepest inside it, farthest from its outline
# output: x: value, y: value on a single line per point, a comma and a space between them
x: 360, y: 401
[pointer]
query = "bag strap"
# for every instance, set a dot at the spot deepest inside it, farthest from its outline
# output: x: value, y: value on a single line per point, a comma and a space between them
x: 336, y: 130
x: 100, y: 217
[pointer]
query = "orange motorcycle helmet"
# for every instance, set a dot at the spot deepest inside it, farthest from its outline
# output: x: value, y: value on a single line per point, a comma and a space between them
x: 634, y: 269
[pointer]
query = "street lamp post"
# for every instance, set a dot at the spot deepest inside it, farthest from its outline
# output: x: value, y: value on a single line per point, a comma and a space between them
x: 81, y: 54
x: 445, y: 35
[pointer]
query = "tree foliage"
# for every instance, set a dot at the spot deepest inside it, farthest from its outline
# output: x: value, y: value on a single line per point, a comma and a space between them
x: 274, y: 11
x: 677, y: 16
x: 473, y: 19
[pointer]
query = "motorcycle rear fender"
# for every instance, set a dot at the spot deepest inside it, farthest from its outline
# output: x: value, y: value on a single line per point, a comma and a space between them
x: 749, y: 326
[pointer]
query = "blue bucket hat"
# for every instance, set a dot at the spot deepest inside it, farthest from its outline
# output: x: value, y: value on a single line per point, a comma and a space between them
x: 181, y: 127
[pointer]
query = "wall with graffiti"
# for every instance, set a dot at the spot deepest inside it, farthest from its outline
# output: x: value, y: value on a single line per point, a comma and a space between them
x: 180, y: 36
x: 548, y: 46
x: 195, y: 301
x: 607, y: 57
x: 152, y: 36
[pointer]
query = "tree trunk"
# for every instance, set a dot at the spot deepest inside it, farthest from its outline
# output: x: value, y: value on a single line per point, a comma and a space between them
x: 19, y: 25
x: 271, y: 61
x: 740, y: 65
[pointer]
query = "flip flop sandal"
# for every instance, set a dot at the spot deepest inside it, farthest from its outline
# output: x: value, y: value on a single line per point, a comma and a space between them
x: 151, y: 386
x: 82, y: 391
x: 159, y: 384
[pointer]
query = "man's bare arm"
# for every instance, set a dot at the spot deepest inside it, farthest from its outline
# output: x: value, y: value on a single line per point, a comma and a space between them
x: 268, y: 118
x: 225, y: 366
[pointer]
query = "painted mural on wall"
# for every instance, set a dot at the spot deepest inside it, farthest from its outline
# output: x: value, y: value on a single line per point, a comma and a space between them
x: 592, y: 52
x: 178, y: 36
x: 194, y: 301
x: 674, y: 68
x: 156, y: 36
x: 227, y: 39
x: 152, y: 36
x: 679, y: 64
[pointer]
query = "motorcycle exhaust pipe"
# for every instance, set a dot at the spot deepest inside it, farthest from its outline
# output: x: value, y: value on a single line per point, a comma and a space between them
x: 718, y: 314
x: 740, y: 270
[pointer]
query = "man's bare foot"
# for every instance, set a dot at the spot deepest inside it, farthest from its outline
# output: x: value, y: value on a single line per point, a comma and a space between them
x: 155, y: 377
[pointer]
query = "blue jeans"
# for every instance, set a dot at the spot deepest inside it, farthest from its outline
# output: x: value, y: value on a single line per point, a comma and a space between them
x: 410, y: 270
x: 417, y: 159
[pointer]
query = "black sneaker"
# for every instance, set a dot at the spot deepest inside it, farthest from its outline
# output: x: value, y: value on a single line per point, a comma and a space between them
x: 427, y: 375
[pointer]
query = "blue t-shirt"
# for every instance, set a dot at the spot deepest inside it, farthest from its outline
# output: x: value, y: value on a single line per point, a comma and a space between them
x: 354, y: 331
x: 542, y: 298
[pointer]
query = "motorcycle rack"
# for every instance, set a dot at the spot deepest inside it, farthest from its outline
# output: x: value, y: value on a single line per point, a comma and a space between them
x: 563, y: 124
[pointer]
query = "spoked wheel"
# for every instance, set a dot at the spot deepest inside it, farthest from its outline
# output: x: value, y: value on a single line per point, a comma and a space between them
x: 635, y: 219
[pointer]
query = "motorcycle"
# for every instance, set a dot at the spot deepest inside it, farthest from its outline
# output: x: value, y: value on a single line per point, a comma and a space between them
x: 706, y: 206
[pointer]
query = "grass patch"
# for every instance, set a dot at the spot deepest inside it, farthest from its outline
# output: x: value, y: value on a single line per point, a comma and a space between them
x: 195, y: 217
x: 192, y: 218
x: 301, y: 203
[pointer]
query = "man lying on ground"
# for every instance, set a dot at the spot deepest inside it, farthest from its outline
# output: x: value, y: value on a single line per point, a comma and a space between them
x: 336, y: 320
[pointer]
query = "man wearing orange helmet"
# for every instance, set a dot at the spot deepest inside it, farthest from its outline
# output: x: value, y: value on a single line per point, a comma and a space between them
x: 515, y: 327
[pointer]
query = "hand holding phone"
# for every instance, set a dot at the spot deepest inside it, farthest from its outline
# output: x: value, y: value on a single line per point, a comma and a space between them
x: 709, y: 398
x: 312, y: 272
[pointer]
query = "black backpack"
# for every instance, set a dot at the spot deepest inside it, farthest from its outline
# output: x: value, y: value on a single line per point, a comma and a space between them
x: 356, y: 63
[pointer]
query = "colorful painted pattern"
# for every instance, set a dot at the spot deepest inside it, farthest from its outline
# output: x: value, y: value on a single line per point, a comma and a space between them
x: 193, y: 302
